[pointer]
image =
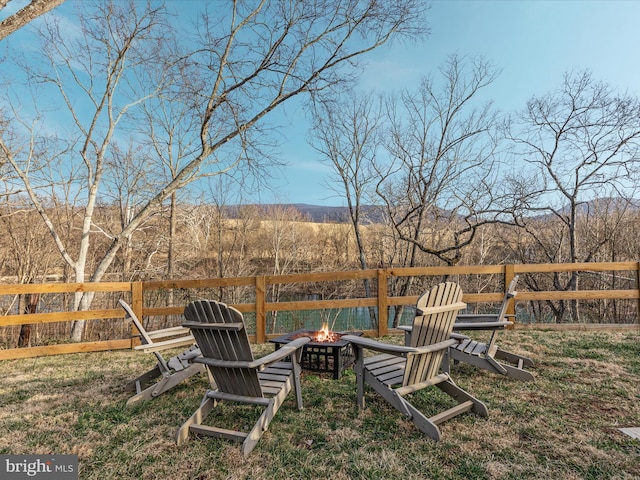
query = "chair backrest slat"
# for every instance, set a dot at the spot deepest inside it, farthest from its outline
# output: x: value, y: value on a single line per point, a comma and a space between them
x: 430, y: 328
x: 230, y: 344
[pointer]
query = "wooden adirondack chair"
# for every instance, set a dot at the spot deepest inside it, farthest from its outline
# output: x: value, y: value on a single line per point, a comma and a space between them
x: 486, y: 354
x: 401, y: 370
x: 172, y: 371
x: 220, y: 332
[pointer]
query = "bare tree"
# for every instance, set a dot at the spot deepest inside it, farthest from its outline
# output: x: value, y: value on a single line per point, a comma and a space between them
x: 33, y: 10
x: 346, y: 135
x: 229, y: 230
x: 27, y: 254
x: 127, y: 39
x: 285, y: 247
x: 580, y: 143
x: 439, y: 182
x: 247, y: 61
x: 168, y: 128
x: 125, y: 189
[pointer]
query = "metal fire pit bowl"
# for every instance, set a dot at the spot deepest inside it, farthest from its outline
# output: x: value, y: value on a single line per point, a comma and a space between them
x: 329, y: 357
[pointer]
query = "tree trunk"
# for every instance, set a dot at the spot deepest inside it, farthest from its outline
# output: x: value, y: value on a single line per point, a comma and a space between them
x: 363, y: 264
x: 77, y: 326
x: 24, y: 340
x: 173, y: 221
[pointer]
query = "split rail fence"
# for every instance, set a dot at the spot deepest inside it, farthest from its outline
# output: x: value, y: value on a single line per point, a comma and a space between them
x: 138, y: 292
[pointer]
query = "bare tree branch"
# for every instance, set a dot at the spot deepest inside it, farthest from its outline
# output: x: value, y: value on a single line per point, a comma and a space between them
x: 19, y: 19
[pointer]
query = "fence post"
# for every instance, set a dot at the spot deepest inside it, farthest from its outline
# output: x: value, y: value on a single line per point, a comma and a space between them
x: 383, y: 303
x: 511, y: 307
x: 137, y: 303
x: 261, y: 310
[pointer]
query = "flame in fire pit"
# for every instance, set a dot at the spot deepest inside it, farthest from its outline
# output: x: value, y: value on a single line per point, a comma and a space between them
x: 325, y: 335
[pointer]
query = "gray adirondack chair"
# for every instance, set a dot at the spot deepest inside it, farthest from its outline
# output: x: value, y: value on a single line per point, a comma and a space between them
x: 170, y: 372
x: 401, y: 370
x: 220, y: 332
x: 488, y: 355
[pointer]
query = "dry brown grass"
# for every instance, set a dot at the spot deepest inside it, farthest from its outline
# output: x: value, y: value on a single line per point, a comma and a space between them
x: 565, y: 425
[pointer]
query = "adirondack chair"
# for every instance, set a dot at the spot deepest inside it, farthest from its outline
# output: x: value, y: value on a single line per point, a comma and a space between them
x: 172, y: 371
x: 220, y: 332
x: 486, y: 355
x: 401, y: 370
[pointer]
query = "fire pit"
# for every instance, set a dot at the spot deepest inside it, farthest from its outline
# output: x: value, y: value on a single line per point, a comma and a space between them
x: 326, y: 352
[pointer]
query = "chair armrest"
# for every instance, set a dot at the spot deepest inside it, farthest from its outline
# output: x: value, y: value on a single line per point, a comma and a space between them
x: 260, y: 363
x: 457, y: 336
x: 481, y: 325
x: 398, y: 350
x: 168, y: 332
x: 436, y: 347
x: 173, y: 343
x: 379, y: 346
x: 284, y: 351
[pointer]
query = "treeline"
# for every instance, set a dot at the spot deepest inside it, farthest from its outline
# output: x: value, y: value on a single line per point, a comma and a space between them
x: 251, y: 240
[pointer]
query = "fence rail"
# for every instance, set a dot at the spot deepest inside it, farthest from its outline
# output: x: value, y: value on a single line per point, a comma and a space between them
x: 382, y: 301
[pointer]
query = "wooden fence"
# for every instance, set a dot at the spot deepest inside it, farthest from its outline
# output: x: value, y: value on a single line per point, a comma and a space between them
x: 137, y: 291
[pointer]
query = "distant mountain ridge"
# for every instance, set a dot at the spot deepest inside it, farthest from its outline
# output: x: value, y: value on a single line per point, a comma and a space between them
x: 372, y: 214
x: 322, y: 213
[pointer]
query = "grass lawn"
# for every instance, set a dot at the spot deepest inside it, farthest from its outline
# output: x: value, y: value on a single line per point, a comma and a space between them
x: 563, y: 426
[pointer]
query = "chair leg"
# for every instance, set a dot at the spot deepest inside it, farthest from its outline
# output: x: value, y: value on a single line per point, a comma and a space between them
x: 166, y: 383
x: 149, y: 392
x: 495, y: 364
x: 197, y: 418
x: 519, y: 360
x: 178, y: 377
x: 358, y: 368
x: 297, y: 370
x: 262, y: 425
x: 134, y: 385
x: 258, y: 429
x: 446, y: 362
x: 461, y: 396
x: 422, y: 423
x: 519, y: 373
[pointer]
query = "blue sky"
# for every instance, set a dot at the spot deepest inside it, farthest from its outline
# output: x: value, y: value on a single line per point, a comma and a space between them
x: 533, y: 42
